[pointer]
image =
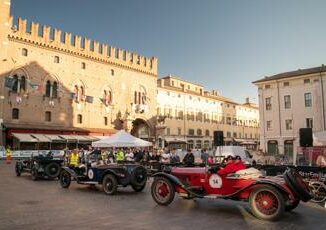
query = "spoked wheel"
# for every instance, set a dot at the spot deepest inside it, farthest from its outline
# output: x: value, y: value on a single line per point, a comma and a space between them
x: 65, y: 179
x: 162, y: 191
x: 319, y: 191
x: 266, y: 203
x: 52, y: 170
x: 110, y: 184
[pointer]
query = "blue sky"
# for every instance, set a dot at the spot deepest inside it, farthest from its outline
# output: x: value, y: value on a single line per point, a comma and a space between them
x: 221, y: 44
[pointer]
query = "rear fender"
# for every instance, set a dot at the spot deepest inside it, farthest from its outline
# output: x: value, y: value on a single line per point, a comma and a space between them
x: 283, y: 189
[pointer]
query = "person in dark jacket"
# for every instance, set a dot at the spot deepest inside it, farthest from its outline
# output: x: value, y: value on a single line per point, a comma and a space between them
x: 189, y: 158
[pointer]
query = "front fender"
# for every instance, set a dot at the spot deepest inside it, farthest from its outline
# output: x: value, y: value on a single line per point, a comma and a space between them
x: 70, y: 171
x: 170, y: 177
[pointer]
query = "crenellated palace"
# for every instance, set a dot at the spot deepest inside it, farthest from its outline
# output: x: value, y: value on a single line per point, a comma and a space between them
x: 59, y: 89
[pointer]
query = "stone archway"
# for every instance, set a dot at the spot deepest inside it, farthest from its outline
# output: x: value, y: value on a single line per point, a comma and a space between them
x: 141, y: 129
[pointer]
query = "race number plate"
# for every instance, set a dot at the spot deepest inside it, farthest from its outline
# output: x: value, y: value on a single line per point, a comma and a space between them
x: 215, y: 181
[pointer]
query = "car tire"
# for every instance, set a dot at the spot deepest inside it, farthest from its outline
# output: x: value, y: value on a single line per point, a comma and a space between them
x: 294, y: 180
x: 290, y: 207
x: 162, y: 191
x: 110, y: 184
x: 138, y: 176
x: 52, y: 170
x: 65, y: 179
x: 266, y: 203
x: 34, y: 174
x: 138, y: 188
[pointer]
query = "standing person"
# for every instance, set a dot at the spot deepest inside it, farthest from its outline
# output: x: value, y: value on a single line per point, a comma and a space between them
x: 174, y: 157
x: 74, y: 158
x: 165, y: 156
x: 129, y: 155
x: 120, y: 156
x: 321, y: 159
x: 8, y: 155
x: 189, y: 158
x: 204, y: 155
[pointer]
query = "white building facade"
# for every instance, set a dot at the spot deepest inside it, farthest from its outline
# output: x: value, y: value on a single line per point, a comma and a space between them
x: 287, y: 102
x: 193, y: 114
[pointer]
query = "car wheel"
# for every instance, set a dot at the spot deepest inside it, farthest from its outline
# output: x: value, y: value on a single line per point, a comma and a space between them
x: 295, y: 181
x: 289, y: 207
x: 110, y: 184
x: 34, y: 174
x: 139, y: 176
x: 52, y: 170
x: 162, y: 191
x: 65, y: 179
x: 138, y: 188
x: 266, y: 203
x: 319, y: 191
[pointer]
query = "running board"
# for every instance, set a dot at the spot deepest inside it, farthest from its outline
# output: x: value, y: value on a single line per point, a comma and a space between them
x: 88, y: 182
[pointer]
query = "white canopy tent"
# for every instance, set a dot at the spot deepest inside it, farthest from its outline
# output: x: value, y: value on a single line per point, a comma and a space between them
x: 121, y: 139
x: 319, y: 138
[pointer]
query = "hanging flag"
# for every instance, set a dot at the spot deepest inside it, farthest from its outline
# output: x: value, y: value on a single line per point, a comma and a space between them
x: 10, y: 82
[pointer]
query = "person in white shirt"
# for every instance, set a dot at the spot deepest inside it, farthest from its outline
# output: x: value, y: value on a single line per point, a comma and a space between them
x: 129, y: 155
x: 165, y: 157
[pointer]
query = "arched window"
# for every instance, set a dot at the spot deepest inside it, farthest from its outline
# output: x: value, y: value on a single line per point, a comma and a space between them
x: 48, y: 89
x: 79, y: 119
x: 82, y: 93
x: 22, y: 83
x: 135, y: 97
x: 199, y: 132
x: 15, y: 113
x: 56, y: 59
x: 24, y: 52
x: 55, y: 90
x: 207, y: 132
x: 76, y: 92
x: 110, y: 97
x: 16, y: 84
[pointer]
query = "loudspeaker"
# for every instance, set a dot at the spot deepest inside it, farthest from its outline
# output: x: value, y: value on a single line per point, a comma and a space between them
x: 305, y: 137
x: 218, y: 138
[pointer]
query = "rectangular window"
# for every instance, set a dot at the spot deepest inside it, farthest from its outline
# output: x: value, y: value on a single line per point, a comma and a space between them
x: 167, y: 131
x: 287, y: 102
x: 179, y: 131
x: 24, y: 52
x: 309, y: 123
x: 191, y: 132
x: 288, y: 124
x: 228, y: 134
x: 83, y: 65
x: 306, y: 81
x: 105, y: 121
x: 285, y: 84
x: 268, y: 102
x: 79, y: 119
x: 48, y: 116
x: 267, y: 86
x: 307, y: 100
x: 269, y: 125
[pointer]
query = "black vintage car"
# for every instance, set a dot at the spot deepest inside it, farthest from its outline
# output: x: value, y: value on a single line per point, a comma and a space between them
x: 40, y: 166
x: 111, y: 176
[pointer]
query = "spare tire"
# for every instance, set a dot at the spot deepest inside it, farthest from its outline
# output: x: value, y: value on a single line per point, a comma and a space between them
x: 52, y: 170
x: 138, y: 176
x: 295, y: 181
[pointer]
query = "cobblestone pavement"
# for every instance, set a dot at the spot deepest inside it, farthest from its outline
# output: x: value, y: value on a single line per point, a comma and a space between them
x: 25, y: 204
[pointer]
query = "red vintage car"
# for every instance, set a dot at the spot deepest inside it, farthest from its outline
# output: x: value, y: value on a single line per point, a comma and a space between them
x: 268, y: 197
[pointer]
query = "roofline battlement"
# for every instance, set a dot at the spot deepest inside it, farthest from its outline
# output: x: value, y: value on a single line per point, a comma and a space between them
x: 56, y: 39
